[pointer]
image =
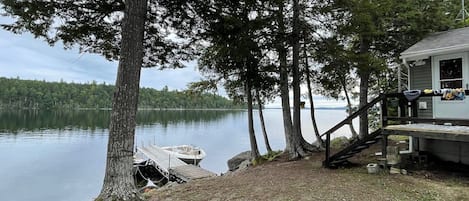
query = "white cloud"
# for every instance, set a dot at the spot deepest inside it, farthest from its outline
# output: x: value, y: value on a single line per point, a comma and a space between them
x: 25, y: 57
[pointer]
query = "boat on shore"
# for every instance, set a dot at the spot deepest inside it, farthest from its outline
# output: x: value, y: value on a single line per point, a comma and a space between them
x: 187, y: 153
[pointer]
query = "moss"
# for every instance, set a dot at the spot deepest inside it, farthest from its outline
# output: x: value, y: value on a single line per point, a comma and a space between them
x: 266, y: 157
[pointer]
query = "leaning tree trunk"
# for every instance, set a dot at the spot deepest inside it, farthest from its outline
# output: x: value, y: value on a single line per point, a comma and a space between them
x: 261, y: 118
x: 118, y: 181
x: 364, y: 74
x: 350, y: 111
x: 252, y: 137
x: 319, y: 140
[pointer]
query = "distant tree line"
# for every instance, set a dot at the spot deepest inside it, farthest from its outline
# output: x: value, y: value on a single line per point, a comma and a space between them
x: 16, y: 121
x: 33, y: 94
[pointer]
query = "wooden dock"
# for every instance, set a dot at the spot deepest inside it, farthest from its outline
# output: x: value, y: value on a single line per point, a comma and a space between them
x: 171, y: 167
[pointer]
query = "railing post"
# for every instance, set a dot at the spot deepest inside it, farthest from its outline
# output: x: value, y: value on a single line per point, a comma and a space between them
x: 384, y: 123
x: 384, y: 111
x: 328, y: 149
x: 414, y: 108
x: 402, y: 107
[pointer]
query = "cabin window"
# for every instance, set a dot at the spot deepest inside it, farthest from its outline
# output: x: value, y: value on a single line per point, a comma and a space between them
x: 451, y: 78
x: 451, y: 73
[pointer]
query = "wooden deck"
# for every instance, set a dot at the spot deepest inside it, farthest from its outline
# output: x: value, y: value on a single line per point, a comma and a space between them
x: 430, y: 131
x: 171, y: 166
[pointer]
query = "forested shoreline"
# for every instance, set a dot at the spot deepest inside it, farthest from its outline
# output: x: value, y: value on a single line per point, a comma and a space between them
x: 33, y: 94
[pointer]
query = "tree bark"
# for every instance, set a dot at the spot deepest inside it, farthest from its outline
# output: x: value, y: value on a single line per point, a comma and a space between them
x: 319, y: 141
x: 364, y: 74
x: 252, y: 137
x: 261, y: 118
x: 118, y: 181
x: 296, y: 69
x: 293, y: 144
x: 284, y: 91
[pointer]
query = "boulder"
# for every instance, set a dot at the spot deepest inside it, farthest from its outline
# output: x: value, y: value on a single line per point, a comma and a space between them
x: 244, y: 165
x: 236, y: 161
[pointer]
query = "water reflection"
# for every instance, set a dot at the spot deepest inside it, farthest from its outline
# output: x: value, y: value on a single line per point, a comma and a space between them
x: 60, y: 155
x: 15, y: 121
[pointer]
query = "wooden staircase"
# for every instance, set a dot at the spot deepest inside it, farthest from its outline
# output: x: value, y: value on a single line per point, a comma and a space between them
x: 341, y: 158
x: 408, y: 114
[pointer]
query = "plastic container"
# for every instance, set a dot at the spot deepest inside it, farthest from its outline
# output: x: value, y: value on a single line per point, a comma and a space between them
x: 373, y: 168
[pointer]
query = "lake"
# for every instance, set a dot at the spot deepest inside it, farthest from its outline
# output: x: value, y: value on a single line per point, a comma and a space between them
x: 60, y: 156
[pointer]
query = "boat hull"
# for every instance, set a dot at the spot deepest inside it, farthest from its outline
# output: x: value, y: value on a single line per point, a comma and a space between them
x: 188, y: 154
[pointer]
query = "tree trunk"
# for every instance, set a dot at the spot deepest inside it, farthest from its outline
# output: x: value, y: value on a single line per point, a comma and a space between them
x: 319, y: 141
x: 261, y: 118
x: 118, y: 181
x: 350, y: 112
x: 296, y: 69
x: 364, y: 74
x: 252, y: 137
x: 293, y: 144
x: 296, y: 80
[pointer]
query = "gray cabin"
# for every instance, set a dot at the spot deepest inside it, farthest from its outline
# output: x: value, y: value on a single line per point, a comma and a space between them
x: 441, y: 61
x: 433, y: 112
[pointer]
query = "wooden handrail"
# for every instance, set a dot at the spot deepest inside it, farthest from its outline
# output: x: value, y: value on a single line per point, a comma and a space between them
x: 354, y: 115
x: 404, y: 103
x: 360, y: 111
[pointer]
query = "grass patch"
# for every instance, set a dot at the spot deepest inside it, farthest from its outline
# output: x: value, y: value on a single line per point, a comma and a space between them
x: 267, y: 157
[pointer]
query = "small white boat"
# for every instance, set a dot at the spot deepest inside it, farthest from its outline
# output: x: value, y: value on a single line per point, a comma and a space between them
x: 188, y: 154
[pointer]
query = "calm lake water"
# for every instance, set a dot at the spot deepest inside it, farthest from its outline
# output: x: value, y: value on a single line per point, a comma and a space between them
x: 60, y: 156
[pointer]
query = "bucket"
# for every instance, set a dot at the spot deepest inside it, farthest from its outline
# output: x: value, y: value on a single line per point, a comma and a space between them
x: 372, y: 168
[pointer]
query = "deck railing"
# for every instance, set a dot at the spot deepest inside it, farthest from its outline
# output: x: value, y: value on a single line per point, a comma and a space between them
x: 407, y: 113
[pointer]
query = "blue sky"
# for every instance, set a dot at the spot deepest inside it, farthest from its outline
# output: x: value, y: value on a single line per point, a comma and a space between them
x: 25, y: 57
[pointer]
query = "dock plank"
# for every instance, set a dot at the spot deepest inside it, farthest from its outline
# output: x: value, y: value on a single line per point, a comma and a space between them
x: 170, y: 165
x: 191, y: 172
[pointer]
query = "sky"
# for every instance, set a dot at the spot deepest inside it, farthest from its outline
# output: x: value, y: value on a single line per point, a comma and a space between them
x: 29, y: 58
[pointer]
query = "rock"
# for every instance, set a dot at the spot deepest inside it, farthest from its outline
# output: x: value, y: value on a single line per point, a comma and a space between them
x: 245, y: 164
x: 394, y: 170
x: 236, y: 161
x: 404, y: 172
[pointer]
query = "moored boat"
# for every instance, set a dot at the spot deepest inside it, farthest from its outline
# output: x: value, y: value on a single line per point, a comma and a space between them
x: 187, y: 153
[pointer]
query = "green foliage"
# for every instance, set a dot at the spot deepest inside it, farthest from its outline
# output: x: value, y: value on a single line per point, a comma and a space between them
x: 339, y: 142
x: 95, y: 27
x: 266, y: 158
x: 272, y: 155
x: 16, y: 93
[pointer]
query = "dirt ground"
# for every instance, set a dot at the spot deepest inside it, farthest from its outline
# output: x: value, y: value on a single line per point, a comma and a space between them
x: 307, y: 180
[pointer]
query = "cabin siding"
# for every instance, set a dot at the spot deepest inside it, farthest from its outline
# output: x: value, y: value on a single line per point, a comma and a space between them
x: 421, y: 78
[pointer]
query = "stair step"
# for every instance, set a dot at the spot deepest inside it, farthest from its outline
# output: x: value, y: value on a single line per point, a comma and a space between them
x: 361, y: 147
x: 354, y: 152
x: 336, y: 162
x: 371, y: 142
x: 345, y: 156
x: 378, y: 137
